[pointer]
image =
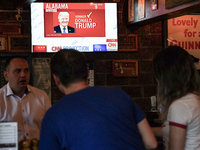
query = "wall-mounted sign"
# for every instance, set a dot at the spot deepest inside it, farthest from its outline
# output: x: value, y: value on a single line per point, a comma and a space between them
x: 128, y: 42
x: 19, y: 43
x: 184, y: 31
x: 125, y: 68
x: 10, y: 28
x: 3, y: 43
x: 42, y: 74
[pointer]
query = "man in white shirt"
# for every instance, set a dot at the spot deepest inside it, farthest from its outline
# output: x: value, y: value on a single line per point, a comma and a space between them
x: 20, y: 102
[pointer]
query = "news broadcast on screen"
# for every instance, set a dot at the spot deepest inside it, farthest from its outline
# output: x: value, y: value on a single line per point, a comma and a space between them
x: 86, y: 27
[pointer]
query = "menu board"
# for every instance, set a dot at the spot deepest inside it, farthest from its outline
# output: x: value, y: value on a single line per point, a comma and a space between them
x: 8, y: 136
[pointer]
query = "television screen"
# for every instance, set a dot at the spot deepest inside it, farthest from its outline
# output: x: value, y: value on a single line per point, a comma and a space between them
x: 86, y: 27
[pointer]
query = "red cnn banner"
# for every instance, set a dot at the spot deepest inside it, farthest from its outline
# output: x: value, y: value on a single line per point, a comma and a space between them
x: 39, y: 48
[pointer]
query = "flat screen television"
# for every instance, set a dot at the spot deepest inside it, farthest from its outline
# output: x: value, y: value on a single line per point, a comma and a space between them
x: 91, y: 27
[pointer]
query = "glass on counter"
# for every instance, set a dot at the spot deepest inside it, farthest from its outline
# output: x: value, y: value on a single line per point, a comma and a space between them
x: 153, y: 104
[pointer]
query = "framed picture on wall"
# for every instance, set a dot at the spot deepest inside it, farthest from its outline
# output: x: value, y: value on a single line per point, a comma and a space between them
x: 125, y: 68
x: 128, y: 42
x: 19, y: 43
x: 10, y: 28
x: 154, y: 4
x: 3, y: 42
x: 130, y: 10
x: 141, y: 9
x: 42, y: 74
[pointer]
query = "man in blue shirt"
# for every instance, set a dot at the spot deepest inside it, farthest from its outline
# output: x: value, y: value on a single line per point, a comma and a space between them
x: 91, y: 118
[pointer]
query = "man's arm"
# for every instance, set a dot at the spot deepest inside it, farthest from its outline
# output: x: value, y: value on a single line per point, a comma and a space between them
x: 147, y: 134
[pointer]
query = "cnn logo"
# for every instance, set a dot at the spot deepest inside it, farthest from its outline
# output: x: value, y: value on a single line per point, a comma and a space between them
x: 112, y: 45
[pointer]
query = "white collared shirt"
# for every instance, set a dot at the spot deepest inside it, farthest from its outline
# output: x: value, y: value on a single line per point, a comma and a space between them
x: 10, y: 92
x: 27, y: 111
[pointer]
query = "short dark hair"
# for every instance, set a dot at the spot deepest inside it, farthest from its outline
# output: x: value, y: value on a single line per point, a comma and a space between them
x: 69, y: 66
x: 8, y: 60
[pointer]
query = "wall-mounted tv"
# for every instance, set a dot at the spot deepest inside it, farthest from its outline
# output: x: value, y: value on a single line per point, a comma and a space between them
x: 86, y: 27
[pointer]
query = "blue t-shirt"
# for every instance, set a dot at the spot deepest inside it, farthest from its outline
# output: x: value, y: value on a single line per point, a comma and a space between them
x: 95, y: 118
